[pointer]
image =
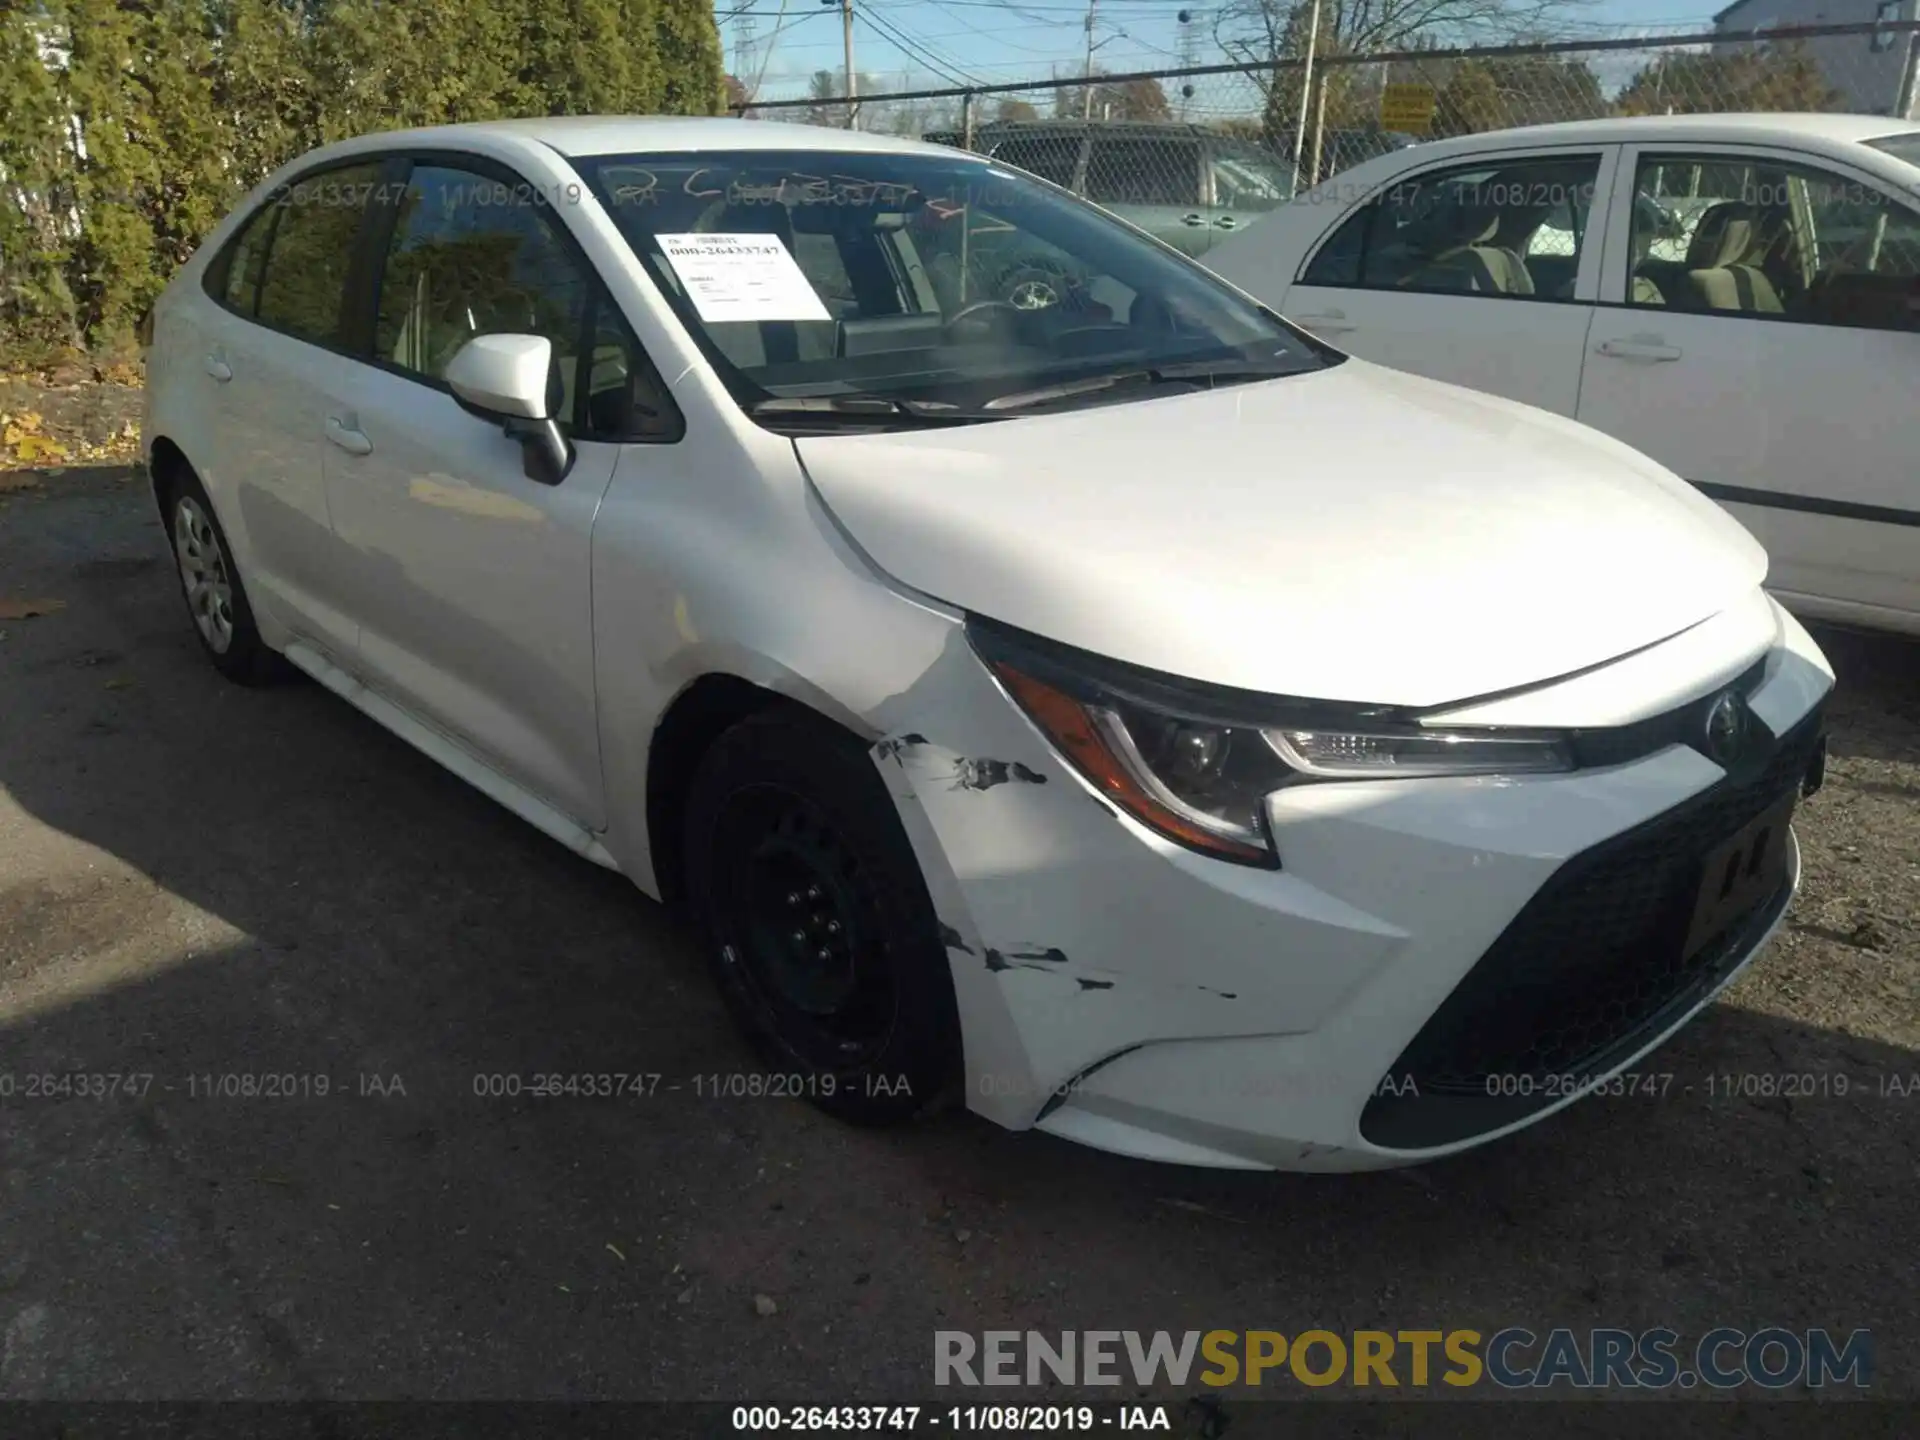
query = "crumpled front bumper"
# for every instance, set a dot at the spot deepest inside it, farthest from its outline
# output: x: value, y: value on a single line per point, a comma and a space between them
x: 1117, y: 989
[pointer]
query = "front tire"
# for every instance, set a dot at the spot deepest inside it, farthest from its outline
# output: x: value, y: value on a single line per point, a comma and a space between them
x: 814, y: 916
x: 210, y: 584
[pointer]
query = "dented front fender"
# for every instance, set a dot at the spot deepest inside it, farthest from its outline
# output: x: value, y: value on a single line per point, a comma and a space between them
x: 1074, y: 934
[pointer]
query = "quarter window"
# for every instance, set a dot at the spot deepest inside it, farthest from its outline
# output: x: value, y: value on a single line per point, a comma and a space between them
x: 1515, y: 229
x: 241, y: 287
x: 1764, y: 238
x: 302, y: 288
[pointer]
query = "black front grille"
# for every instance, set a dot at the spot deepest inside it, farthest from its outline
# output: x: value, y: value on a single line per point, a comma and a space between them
x: 1683, y: 725
x: 1589, y: 970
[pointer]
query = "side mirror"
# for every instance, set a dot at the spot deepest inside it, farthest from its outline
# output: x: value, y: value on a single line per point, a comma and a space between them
x: 510, y: 379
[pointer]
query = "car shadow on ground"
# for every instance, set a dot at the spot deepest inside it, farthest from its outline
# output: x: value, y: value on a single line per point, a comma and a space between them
x: 290, y: 969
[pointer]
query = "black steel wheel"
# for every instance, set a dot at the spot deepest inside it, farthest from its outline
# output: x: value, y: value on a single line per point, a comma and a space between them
x: 815, y: 918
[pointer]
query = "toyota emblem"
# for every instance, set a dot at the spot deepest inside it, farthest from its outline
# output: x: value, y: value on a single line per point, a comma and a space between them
x: 1726, y: 728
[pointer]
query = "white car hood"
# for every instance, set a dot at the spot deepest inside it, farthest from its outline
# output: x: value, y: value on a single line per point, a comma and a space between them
x: 1353, y: 534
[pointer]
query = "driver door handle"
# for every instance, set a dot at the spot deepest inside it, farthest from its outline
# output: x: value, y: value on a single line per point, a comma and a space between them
x: 1196, y: 221
x: 1225, y: 222
x: 1640, y: 347
x: 218, y: 368
x: 1334, y: 322
x: 347, y: 437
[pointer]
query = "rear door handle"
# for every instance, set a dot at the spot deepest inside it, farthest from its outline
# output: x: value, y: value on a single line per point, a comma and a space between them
x: 349, y: 439
x: 218, y: 368
x: 1225, y: 222
x: 1334, y: 322
x: 1638, y: 348
x: 1196, y: 221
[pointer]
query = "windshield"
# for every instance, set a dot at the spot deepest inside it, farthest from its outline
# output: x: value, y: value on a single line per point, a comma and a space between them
x: 923, y: 280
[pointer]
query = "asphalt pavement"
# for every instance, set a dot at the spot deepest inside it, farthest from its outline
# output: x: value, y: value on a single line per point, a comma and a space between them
x: 200, y: 883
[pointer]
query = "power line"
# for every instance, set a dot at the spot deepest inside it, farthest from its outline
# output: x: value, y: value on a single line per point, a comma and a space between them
x: 914, y: 49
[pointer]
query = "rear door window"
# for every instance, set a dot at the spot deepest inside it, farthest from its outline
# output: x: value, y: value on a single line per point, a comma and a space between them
x: 1513, y: 229
x: 240, y: 286
x: 1051, y: 157
x: 302, y: 287
x: 1142, y: 170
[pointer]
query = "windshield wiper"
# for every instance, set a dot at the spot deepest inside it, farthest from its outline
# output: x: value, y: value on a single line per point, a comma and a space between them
x: 1211, y: 372
x: 863, y: 409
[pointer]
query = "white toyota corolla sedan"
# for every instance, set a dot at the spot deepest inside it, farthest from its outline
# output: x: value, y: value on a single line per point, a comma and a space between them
x: 1129, y: 713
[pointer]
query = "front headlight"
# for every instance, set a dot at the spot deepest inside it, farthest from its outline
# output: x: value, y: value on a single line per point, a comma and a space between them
x: 1196, y: 765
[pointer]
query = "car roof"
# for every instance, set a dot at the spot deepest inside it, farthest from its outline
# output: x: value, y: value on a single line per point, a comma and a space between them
x: 1783, y: 127
x: 1068, y: 125
x: 583, y: 135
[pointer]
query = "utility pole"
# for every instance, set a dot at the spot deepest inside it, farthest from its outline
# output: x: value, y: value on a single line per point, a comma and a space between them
x: 1306, y: 94
x: 852, y: 81
x: 853, y: 76
x: 1086, y: 95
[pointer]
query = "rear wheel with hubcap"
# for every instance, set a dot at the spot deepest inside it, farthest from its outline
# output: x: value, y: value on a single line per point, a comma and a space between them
x: 816, y: 920
x: 216, y: 600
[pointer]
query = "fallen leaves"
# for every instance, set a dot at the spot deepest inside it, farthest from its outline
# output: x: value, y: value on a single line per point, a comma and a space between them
x: 29, y: 609
x: 64, y: 368
x: 25, y: 441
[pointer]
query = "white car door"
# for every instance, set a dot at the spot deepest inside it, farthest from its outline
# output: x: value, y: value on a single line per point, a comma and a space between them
x: 1758, y: 336
x: 1480, y: 272
x: 269, y: 348
x: 472, y: 581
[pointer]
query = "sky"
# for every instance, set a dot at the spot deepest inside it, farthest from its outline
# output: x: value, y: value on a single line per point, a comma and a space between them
x: 909, y: 43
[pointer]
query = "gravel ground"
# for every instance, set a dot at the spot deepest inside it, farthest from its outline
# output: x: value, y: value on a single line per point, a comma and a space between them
x: 198, y: 881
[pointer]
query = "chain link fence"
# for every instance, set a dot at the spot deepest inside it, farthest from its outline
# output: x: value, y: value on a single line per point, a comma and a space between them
x: 1233, y: 137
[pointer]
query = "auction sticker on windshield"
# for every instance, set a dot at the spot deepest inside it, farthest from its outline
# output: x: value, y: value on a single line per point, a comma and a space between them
x: 741, y: 277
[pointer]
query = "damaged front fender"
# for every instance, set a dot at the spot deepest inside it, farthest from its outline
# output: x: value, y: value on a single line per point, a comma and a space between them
x: 1073, y: 933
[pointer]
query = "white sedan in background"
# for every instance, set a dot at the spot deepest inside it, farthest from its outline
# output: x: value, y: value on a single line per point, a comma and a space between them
x: 1738, y: 296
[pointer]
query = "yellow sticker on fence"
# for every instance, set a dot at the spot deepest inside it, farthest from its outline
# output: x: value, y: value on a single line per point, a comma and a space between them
x: 1407, y: 108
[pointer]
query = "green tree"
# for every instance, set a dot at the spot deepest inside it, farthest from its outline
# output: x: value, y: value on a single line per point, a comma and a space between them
x: 110, y: 270
x: 129, y: 127
x: 691, y: 68
x: 1542, y: 89
x: 1470, y: 102
x: 264, y: 96
x: 828, y: 90
x: 1764, y: 77
x: 175, y: 121
x: 350, y: 48
x: 37, y: 180
x: 1130, y: 100
x: 584, y: 57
